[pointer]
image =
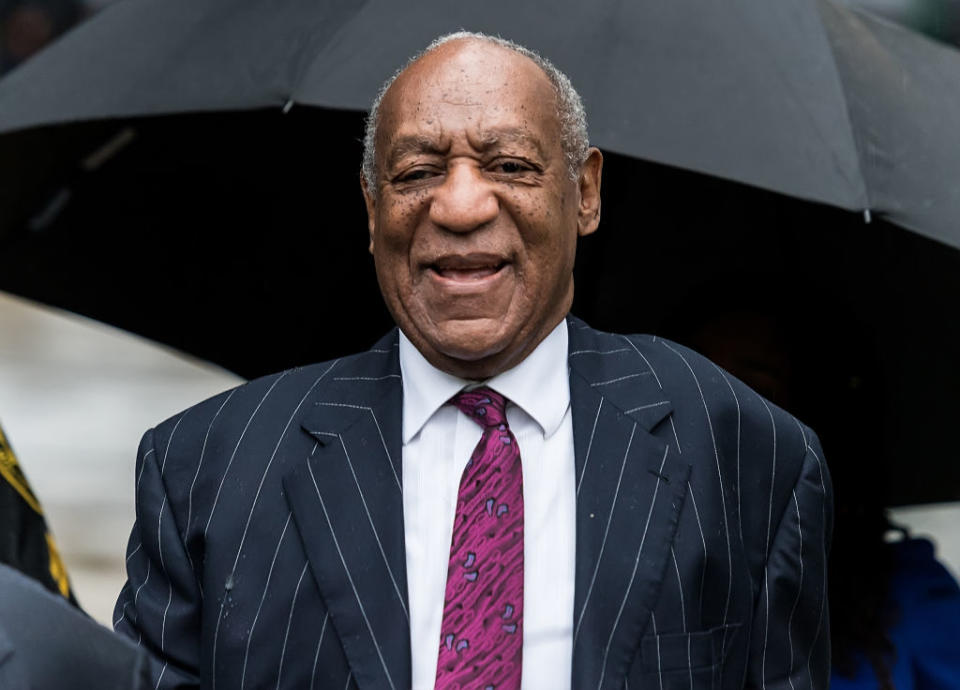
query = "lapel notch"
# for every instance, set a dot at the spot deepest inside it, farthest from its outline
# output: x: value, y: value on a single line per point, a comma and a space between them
x: 347, y: 504
x: 630, y: 487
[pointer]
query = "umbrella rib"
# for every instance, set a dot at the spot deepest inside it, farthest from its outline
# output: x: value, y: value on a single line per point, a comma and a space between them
x: 858, y: 147
x: 860, y: 185
x: 316, y: 46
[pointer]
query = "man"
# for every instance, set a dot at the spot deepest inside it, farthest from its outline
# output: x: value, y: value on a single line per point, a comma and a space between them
x: 342, y: 525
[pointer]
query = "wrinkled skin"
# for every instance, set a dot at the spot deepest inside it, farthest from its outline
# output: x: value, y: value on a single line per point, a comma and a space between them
x: 475, y: 219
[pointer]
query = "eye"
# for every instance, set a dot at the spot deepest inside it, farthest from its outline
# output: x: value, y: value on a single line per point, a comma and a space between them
x: 514, y: 169
x: 511, y: 167
x: 415, y: 175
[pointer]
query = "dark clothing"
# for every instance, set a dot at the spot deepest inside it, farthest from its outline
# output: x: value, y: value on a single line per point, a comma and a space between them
x: 25, y: 542
x: 269, y: 545
x: 47, y: 644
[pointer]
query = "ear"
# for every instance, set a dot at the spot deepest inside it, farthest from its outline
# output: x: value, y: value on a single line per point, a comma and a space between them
x: 369, y: 199
x: 589, y: 212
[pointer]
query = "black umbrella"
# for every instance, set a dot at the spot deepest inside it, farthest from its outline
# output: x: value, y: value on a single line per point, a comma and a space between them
x: 797, y: 96
x: 148, y: 222
x: 180, y: 236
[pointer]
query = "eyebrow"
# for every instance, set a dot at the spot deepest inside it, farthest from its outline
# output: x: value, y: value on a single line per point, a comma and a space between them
x: 412, y: 143
x: 489, y: 138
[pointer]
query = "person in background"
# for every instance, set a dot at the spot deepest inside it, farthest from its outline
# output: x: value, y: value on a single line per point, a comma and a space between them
x: 25, y: 540
x: 46, y: 641
x: 47, y: 644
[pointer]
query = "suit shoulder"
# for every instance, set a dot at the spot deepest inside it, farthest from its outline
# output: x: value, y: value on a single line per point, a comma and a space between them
x: 699, y: 388
x: 276, y: 390
x: 275, y: 396
x: 249, y: 393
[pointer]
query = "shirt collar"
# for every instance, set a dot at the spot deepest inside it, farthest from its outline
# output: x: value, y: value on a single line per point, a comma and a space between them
x: 539, y: 385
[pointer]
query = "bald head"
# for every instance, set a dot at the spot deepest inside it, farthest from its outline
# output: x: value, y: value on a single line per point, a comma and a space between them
x: 570, y: 114
x: 473, y: 213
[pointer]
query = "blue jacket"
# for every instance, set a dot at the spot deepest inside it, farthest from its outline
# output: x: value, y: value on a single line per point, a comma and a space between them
x: 926, y: 635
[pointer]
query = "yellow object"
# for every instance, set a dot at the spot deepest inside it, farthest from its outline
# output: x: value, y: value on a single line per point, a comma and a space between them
x: 10, y: 469
x: 57, y: 571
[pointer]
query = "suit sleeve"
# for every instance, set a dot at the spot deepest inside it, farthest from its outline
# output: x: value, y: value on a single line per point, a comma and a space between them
x: 790, y: 643
x: 159, y: 607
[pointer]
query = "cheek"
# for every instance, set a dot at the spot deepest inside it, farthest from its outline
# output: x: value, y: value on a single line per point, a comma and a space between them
x: 396, y: 222
x: 400, y: 214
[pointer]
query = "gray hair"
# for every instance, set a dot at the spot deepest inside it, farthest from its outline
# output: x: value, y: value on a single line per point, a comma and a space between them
x: 570, y: 112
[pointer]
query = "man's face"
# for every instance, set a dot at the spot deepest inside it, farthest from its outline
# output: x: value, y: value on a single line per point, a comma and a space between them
x: 474, y: 224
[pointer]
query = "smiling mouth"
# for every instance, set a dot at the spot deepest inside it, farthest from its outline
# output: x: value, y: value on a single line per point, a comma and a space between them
x: 467, y: 268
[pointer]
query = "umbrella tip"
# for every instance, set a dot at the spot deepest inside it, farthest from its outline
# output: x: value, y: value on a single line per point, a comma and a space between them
x: 866, y: 216
x: 287, y: 106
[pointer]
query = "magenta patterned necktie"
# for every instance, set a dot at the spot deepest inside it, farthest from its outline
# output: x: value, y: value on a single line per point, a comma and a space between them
x: 481, y: 638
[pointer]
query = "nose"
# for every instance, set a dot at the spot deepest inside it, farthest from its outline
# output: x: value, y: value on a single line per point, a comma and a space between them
x: 465, y: 201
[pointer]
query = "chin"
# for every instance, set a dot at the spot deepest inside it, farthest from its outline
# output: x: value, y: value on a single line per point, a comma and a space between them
x: 467, y: 348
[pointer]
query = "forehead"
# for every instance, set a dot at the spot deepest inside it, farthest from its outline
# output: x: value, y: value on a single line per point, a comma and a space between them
x: 472, y: 86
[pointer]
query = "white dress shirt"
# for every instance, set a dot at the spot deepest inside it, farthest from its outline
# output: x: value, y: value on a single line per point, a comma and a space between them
x: 437, y: 443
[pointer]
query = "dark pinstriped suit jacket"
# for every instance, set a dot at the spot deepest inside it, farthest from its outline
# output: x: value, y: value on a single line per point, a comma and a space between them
x: 268, y: 550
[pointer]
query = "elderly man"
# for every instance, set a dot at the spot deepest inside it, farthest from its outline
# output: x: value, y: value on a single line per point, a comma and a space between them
x: 495, y: 495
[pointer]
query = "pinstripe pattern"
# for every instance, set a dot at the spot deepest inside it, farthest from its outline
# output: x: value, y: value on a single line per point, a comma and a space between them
x: 736, y: 403
x: 633, y: 575
x: 603, y: 543
x: 203, y: 450
x: 216, y: 470
x: 316, y: 656
x: 373, y: 416
x: 286, y: 634
x: 593, y: 433
x: 143, y: 466
x: 268, y: 549
x: 353, y: 585
x: 821, y: 556
x: 373, y: 528
x: 722, y: 492
x: 246, y: 527
x: 683, y: 612
x: 796, y: 505
x: 703, y: 540
x: 653, y: 627
x: 703, y: 592
x: 263, y: 597
x: 233, y: 455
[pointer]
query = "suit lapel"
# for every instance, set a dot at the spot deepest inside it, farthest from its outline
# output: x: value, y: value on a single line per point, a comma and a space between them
x: 347, y: 504
x: 348, y: 508
x: 630, y: 487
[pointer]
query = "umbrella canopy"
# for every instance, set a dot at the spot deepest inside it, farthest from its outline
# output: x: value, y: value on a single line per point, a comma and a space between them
x: 801, y: 97
x: 174, y: 226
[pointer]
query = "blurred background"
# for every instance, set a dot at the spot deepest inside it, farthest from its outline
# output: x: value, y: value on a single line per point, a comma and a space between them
x: 75, y: 397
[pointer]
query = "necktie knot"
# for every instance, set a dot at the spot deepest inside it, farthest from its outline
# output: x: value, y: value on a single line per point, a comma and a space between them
x: 483, y: 405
